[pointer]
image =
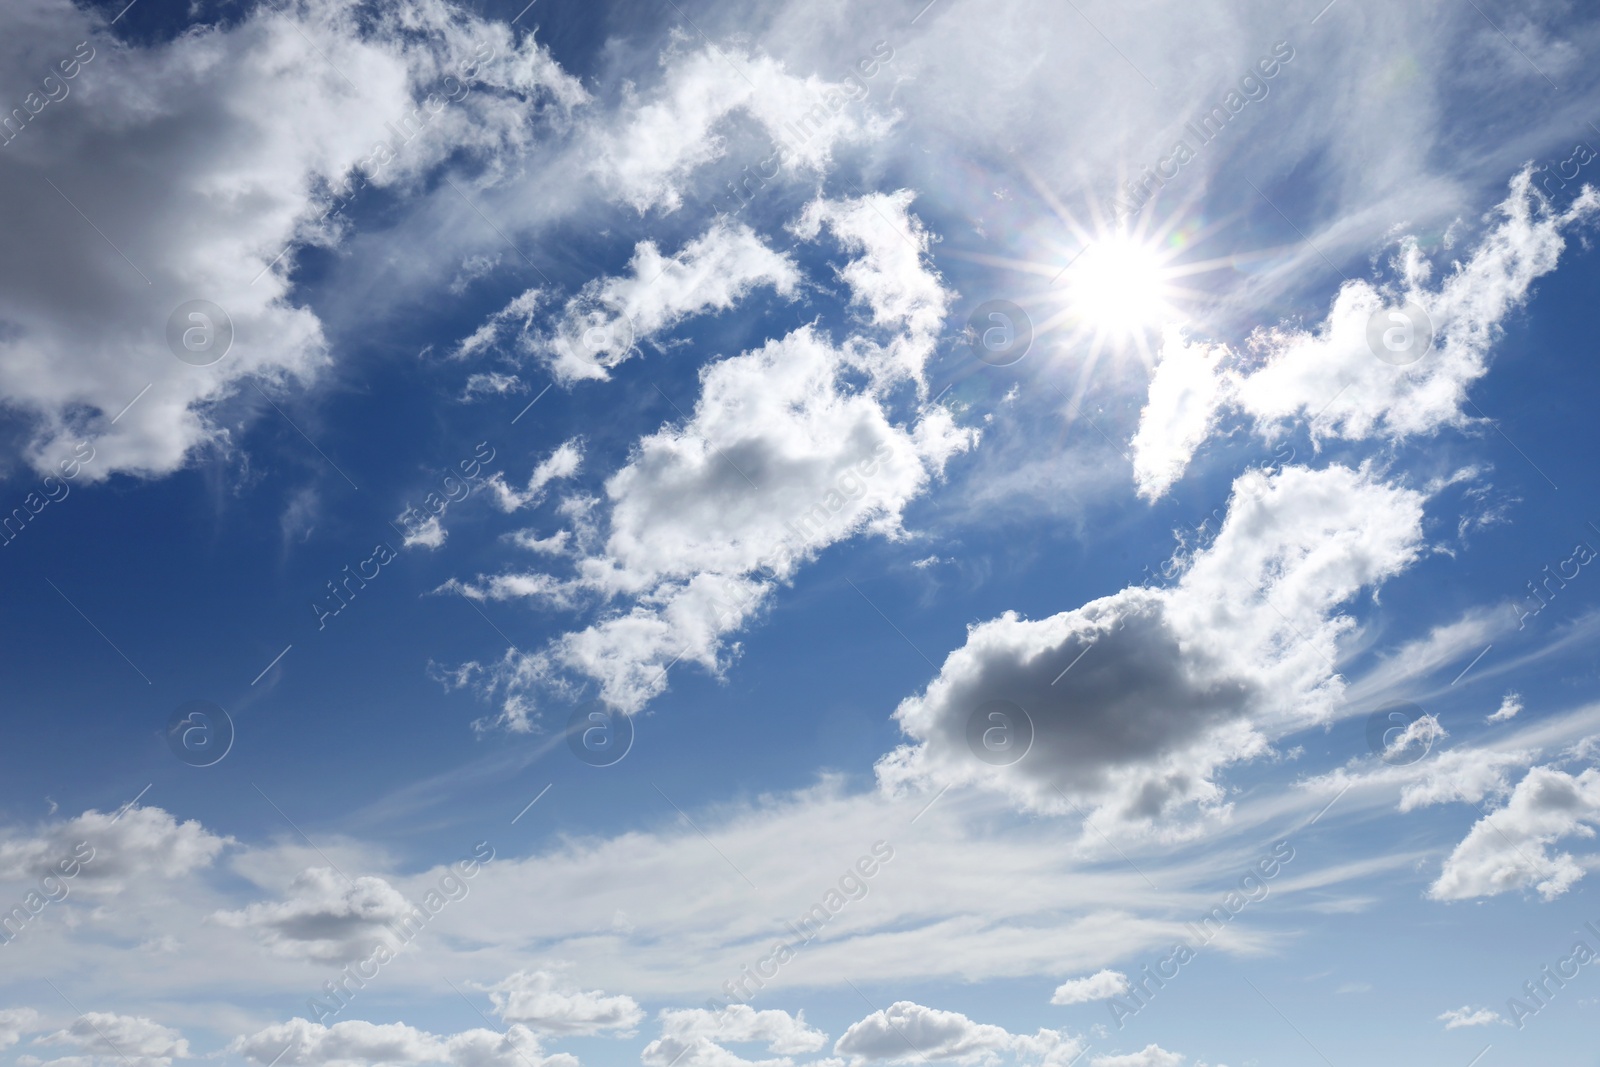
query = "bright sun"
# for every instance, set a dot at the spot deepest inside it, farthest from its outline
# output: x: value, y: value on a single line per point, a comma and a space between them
x: 1119, y: 288
x: 1112, y: 284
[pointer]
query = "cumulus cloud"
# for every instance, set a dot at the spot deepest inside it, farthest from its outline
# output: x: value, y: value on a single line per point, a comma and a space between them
x: 357, y: 1043
x: 1332, y: 378
x: 1456, y: 1018
x: 1137, y: 699
x: 543, y: 1002
x: 14, y: 1022
x: 1510, y: 848
x: 1510, y: 707
x: 887, y: 277
x: 599, y: 326
x: 1179, y: 414
x: 1102, y: 985
x: 135, y: 843
x: 429, y: 533
x: 696, y: 1037
x: 324, y: 917
x: 1470, y: 775
x: 561, y: 463
x: 1152, y: 1055
x: 646, y: 159
x: 162, y: 181
x: 909, y: 1032
x: 784, y: 454
x: 123, y: 1038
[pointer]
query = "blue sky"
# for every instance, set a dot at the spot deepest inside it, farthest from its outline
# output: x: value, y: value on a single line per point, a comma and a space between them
x: 532, y: 420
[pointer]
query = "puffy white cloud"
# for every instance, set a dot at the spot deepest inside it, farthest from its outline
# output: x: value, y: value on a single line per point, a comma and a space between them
x: 646, y: 157
x: 1463, y: 774
x: 135, y: 843
x: 1101, y: 985
x: 357, y: 1043
x: 1466, y: 1015
x: 783, y: 455
x: 1152, y: 1055
x: 779, y: 460
x: 325, y: 917
x: 696, y: 1037
x: 909, y: 1032
x: 714, y: 272
x: 1509, y: 848
x: 14, y: 1022
x: 543, y: 1002
x: 1138, y: 698
x: 1179, y: 414
x: 599, y: 326
x: 1420, y: 734
x: 888, y: 276
x: 561, y: 463
x: 121, y: 1038
x: 429, y: 533
x: 1333, y: 378
x: 171, y: 184
x: 1510, y: 707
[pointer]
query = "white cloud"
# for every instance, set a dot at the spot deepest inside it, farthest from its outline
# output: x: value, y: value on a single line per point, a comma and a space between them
x: 1172, y: 684
x: 1466, y: 1015
x: 136, y: 843
x: 714, y: 272
x: 907, y: 1032
x: 14, y: 1022
x: 1101, y: 985
x: 324, y: 917
x: 889, y: 276
x: 1509, y: 848
x: 1510, y: 707
x: 561, y: 463
x: 1398, y: 673
x: 783, y: 455
x: 543, y: 1002
x: 121, y: 1038
x: 648, y: 156
x: 472, y: 268
x: 599, y: 326
x: 1469, y: 775
x: 1179, y: 414
x: 492, y: 383
x: 168, y: 156
x: 356, y: 1043
x: 429, y: 533
x: 696, y: 1037
x: 1332, y: 377
x: 1152, y: 1055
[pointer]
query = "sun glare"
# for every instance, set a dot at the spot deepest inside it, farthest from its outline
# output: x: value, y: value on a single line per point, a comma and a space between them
x: 1117, y: 288
x: 1110, y: 284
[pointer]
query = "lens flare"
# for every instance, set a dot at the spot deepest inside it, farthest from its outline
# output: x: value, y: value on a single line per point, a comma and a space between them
x: 1118, y: 288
